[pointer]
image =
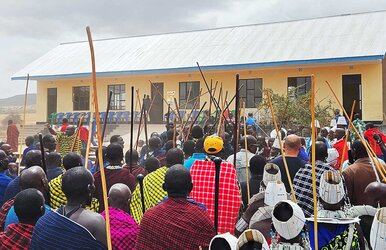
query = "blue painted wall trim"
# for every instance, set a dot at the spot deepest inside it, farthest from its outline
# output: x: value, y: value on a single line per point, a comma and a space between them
x: 214, y: 67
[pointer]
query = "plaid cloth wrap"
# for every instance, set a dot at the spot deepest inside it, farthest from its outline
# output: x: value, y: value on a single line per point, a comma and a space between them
x: 17, y: 236
x: 4, y: 212
x: 152, y: 192
x: 303, y: 185
x: 124, y: 229
x: 203, y: 177
x: 58, y: 198
x: 65, y: 143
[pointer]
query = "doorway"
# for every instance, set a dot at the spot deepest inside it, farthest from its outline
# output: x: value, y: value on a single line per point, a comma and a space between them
x: 352, y: 90
x: 156, y: 113
x: 51, y: 101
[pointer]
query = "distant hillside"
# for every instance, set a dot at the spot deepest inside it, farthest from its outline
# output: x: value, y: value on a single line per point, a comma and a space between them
x: 18, y: 100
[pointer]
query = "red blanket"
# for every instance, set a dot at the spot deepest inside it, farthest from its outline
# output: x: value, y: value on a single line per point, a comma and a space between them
x: 203, y: 177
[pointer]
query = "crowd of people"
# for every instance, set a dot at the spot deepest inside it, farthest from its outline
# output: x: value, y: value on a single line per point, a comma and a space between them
x: 264, y: 201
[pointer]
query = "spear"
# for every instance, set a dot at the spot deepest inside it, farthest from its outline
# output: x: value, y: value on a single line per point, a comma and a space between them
x: 102, y: 170
x: 23, y: 126
x: 236, y: 127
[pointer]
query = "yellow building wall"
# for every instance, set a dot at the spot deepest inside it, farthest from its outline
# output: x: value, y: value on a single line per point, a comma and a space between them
x: 273, y: 78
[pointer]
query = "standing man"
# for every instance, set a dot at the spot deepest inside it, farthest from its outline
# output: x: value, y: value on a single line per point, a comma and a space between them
x: 339, y: 134
x: 291, y: 149
x: 65, y: 140
x: 12, y: 135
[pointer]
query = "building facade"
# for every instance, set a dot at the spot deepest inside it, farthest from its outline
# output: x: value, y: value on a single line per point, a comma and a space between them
x: 348, y: 51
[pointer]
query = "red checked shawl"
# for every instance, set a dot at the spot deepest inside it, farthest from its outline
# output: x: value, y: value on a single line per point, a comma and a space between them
x: 17, y: 236
x: 203, y: 177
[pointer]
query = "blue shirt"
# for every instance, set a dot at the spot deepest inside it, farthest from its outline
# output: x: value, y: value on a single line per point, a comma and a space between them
x: 4, y: 181
x: 303, y: 155
x: 250, y: 121
x: 13, y: 219
x: 196, y: 156
x: 13, y: 189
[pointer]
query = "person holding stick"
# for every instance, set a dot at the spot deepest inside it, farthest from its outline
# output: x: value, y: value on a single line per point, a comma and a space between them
x: 203, y: 176
x: 178, y: 222
x: 66, y: 139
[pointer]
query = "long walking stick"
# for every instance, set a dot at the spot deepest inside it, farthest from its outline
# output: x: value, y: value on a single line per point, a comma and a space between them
x: 281, y: 146
x: 139, y: 127
x: 246, y: 155
x: 145, y: 128
x: 313, y: 159
x: 236, y: 126
x: 89, y: 139
x: 22, y: 128
x: 77, y: 133
x: 194, y: 121
x: 102, y: 170
x: 132, y: 127
x: 140, y: 181
x: 346, y: 137
x: 217, y: 163
x: 106, y: 116
x: 44, y: 166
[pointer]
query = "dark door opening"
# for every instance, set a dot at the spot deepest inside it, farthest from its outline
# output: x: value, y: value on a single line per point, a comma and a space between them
x: 51, y: 101
x: 156, y: 113
x: 352, y: 90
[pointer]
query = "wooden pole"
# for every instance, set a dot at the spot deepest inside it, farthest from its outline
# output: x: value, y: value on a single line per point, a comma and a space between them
x: 77, y: 133
x: 236, y: 126
x: 23, y: 125
x: 281, y: 146
x: 375, y: 159
x: 194, y: 121
x: 102, y: 170
x: 131, y: 127
x: 106, y: 115
x: 89, y: 139
x: 313, y: 160
x: 174, y: 132
x: 346, y: 138
x: 139, y: 127
x: 44, y: 166
x: 217, y: 163
x: 145, y: 128
x: 246, y: 155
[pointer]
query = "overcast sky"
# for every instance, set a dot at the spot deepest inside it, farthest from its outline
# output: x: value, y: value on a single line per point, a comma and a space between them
x: 28, y: 29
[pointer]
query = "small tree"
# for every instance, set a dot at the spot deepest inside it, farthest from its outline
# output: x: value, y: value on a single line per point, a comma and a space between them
x: 293, y: 111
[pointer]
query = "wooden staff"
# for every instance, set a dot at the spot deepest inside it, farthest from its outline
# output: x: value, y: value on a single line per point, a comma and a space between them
x: 132, y: 126
x: 191, y: 111
x: 210, y: 104
x: 313, y: 159
x: 102, y: 170
x: 178, y: 110
x: 236, y: 126
x: 174, y: 132
x: 187, y: 100
x: 281, y: 145
x: 88, y: 140
x: 77, y: 133
x: 347, y: 135
x: 375, y: 159
x: 139, y: 127
x: 106, y: 115
x: 44, y: 166
x: 168, y: 115
x: 194, y: 121
x: 23, y: 126
x: 138, y: 102
x: 246, y: 155
x: 217, y: 163
x: 145, y: 128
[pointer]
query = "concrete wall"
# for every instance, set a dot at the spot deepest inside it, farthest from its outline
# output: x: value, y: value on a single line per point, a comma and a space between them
x: 273, y: 78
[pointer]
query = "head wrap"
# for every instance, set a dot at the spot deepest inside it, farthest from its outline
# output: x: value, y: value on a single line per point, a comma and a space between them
x: 331, y: 189
x: 292, y: 227
x: 267, y: 177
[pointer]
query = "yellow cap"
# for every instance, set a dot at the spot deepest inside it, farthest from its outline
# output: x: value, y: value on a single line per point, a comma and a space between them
x: 213, y: 144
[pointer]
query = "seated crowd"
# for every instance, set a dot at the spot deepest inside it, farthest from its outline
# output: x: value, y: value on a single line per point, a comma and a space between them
x: 261, y: 204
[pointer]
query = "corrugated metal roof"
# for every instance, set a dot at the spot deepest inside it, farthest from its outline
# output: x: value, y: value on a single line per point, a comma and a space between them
x: 338, y: 38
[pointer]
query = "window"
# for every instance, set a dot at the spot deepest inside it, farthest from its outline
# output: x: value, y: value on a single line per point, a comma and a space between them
x: 81, y: 98
x: 185, y: 88
x: 118, y: 97
x: 298, y: 86
x: 251, y: 91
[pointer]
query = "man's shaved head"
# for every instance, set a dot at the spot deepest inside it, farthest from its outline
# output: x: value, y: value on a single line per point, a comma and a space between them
x: 120, y: 196
x: 178, y: 181
x: 292, y: 142
x: 72, y: 160
x: 174, y: 156
x: 33, y: 158
x: 34, y: 177
x: 320, y: 151
x: 70, y: 130
x: 375, y: 194
x: 339, y: 133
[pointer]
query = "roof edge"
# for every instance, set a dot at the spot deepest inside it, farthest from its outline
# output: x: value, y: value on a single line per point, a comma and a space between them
x: 212, y: 67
